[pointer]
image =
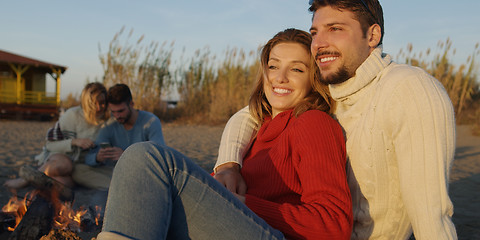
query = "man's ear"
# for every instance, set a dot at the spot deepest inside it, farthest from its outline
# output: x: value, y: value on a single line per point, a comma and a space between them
x: 374, y: 35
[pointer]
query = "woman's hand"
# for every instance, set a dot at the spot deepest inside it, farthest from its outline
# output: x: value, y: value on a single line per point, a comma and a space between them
x: 83, y: 143
x: 229, y: 176
x: 240, y: 197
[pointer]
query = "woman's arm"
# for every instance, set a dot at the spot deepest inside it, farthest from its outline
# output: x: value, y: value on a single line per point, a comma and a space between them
x: 59, y: 138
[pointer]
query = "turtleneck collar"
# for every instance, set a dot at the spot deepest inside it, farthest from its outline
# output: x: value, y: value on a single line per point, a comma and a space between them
x: 272, y: 128
x: 364, y: 74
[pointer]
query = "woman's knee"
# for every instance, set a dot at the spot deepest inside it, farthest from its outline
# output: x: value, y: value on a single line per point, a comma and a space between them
x: 148, y: 155
x: 58, y: 164
x: 144, y: 150
x: 138, y: 155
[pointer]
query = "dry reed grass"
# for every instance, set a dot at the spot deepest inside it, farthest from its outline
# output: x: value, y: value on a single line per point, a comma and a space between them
x: 212, y: 90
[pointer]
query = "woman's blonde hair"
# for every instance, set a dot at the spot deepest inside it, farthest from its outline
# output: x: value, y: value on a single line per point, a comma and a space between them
x: 89, y: 102
x: 319, y: 97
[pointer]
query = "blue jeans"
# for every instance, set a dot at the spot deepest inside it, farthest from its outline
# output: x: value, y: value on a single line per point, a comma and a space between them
x: 157, y: 193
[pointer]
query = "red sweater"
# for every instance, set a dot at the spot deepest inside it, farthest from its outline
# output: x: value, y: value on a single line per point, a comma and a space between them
x: 296, y: 176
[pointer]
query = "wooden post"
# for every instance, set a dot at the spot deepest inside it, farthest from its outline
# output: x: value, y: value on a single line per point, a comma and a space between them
x: 19, y: 70
x: 57, y: 73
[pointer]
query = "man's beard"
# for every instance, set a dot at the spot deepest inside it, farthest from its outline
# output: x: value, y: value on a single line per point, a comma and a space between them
x: 340, y: 76
x: 125, y: 120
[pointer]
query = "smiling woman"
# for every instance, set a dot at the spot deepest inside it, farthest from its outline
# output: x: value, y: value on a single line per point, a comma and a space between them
x: 288, y: 79
x: 287, y: 82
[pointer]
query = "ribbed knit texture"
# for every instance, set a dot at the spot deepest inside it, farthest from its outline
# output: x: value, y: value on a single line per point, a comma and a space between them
x: 296, y: 176
x: 400, y: 131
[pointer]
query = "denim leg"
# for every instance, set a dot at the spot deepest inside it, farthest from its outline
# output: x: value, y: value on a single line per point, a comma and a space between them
x: 157, y: 193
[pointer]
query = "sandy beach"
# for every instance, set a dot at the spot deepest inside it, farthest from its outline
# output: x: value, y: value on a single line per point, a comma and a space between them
x: 20, y: 141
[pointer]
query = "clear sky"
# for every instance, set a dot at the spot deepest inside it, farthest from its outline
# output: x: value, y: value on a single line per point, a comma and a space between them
x: 69, y: 33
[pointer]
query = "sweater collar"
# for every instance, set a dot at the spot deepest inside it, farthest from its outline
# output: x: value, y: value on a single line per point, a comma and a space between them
x: 364, y: 74
x: 272, y: 128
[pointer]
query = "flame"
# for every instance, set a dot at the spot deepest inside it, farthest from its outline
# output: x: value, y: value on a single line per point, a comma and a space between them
x: 66, y: 218
x: 98, y: 217
x: 17, y: 207
x: 47, y: 170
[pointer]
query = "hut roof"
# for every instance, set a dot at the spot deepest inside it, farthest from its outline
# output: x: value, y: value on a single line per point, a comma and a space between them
x: 6, y: 57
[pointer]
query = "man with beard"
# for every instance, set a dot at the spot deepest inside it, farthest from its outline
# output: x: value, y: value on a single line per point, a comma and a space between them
x: 398, y: 121
x: 130, y: 126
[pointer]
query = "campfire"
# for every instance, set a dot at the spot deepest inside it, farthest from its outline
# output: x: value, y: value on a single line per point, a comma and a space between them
x: 47, y: 210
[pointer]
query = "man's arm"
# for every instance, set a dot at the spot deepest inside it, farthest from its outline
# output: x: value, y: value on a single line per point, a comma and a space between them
x: 154, y: 129
x: 422, y: 126
x: 103, y: 136
x: 236, y: 140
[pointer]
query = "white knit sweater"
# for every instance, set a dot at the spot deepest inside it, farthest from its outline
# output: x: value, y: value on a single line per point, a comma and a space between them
x: 400, y: 131
x: 73, y: 121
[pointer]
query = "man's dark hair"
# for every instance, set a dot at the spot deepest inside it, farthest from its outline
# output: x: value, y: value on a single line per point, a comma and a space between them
x: 367, y: 12
x: 119, y: 93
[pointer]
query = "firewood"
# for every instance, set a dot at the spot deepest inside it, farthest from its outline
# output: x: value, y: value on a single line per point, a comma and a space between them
x: 7, y: 219
x: 36, y: 222
x: 87, y: 221
x: 56, y: 234
x: 43, y: 182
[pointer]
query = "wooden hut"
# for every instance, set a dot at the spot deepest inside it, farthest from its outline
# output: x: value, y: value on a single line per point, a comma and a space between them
x: 23, y: 92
